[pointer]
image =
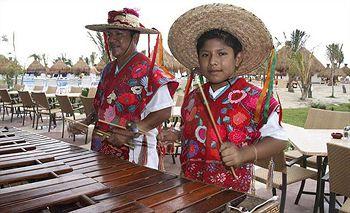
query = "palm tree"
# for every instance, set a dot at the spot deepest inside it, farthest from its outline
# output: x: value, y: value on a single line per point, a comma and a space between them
x: 93, y: 57
x: 302, y: 65
x: 297, y: 40
x: 35, y: 56
x: 65, y: 60
x: 336, y: 57
x: 44, y: 57
x: 299, y: 65
x: 13, y: 69
x: 87, y: 60
x: 4, y: 38
x: 99, y: 42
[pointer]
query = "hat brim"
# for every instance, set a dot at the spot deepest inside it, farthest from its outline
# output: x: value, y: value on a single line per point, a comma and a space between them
x: 244, y: 25
x: 108, y: 27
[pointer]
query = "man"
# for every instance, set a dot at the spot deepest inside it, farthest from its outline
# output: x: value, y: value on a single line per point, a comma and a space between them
x: 132, y: 93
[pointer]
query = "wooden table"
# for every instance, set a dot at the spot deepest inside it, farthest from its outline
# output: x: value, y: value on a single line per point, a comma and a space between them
x: 313, y: 142
x: 131, y: 188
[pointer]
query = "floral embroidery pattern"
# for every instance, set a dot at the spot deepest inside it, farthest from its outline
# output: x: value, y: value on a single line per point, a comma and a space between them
x: 132, y: 82
x: 237, y: 136
x: 109, y: 114
x: 127, y: 99
x: 192, y: 149
x: 232, y: 113
x: 137, y: 90
x: 236, y: 96
x: 239, y: 118
x: 144, y: 83
x: 96, y: 146
x: 201, y: 133
x: 111, y: 97
x: 121, y: 97
x: 221, y: 177
x: 139, y: 70
x: 212, y: 167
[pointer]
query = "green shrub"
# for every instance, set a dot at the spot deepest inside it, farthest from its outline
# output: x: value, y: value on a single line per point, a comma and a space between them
x: 85, y: 92
x: 318, y: 105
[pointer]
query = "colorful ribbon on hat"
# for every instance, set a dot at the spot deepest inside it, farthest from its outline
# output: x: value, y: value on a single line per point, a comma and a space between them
x: 266, y: 90
x: 160, y: 59
x: 105, y: 39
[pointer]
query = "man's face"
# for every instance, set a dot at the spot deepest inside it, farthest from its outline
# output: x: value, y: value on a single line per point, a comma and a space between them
x: 119, y: 41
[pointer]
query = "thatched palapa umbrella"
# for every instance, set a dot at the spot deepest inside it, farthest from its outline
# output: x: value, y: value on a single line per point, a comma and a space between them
x: 282, y: 64
x: 170, y: 62
x: 36, y: 67
x: 93, y: 70
x: 344, y: 71
x: 59, y: 67
x: 326, y: 72
x: 80, y: 67
x: 100, y: 65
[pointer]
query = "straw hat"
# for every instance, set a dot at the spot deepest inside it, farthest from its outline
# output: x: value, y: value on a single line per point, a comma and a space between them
x: 244, y: 25
x: 126, y: 19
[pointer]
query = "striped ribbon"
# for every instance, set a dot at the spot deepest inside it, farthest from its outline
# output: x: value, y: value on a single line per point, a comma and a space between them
x: 266, y: 90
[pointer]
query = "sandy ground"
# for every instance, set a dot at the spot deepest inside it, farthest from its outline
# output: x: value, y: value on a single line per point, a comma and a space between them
x: 321, y: 93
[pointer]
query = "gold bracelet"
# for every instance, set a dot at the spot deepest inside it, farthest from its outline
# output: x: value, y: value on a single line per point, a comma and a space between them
x: 255, y: 153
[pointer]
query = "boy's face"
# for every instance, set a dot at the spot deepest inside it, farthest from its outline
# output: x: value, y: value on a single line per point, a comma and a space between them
x: 217, y: 62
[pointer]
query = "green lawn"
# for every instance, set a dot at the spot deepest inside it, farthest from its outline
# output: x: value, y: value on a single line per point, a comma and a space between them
x: 297, y: 117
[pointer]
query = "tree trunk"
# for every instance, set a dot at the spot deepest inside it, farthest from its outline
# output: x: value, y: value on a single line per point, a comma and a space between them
x: 309, y: 94
x: 309, y: 87
x: 332, y: 82
x: 290, y: 85
x: 304, y: 92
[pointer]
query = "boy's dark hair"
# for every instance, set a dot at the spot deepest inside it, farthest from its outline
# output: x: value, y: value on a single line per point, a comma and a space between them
x: 229, y: 39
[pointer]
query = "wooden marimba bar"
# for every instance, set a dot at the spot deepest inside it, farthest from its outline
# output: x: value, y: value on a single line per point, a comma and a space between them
x: 60, y: 177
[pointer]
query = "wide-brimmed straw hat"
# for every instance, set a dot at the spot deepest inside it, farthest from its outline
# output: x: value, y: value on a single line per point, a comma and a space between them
x: 245, y: 26
x: 126, y: 19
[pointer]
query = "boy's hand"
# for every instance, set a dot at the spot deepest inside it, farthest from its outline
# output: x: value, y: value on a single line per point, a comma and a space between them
x: 231, y: 155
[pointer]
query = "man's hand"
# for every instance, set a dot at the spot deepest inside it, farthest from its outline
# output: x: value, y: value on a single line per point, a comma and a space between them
x: 168, y: 135
x: 80, y: 126
x: 231, y: 155
x: 120, y: 137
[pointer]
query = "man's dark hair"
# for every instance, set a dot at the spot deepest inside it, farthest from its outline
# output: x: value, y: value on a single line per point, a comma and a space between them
x: 133, y: 32
x: 229, y: 39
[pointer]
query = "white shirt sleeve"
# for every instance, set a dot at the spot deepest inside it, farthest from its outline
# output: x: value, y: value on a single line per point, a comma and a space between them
x: 273, y: 129
x: 161, y: 100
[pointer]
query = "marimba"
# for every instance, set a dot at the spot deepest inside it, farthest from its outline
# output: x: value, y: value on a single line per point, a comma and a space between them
x: 40, y: 173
